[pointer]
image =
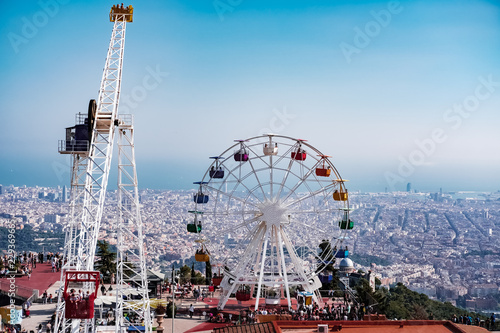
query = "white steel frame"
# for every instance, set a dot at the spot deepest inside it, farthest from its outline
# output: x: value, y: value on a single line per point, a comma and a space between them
x: 71, y: 242
x: 278, y: 211
x: 131, y: 263
x: 90, y: 174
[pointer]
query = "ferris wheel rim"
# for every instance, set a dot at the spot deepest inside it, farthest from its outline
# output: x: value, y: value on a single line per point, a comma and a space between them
x: 250, y: 145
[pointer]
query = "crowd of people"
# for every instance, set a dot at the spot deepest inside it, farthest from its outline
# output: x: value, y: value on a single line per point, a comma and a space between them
x: 25, y: 262
x: 489, y: 323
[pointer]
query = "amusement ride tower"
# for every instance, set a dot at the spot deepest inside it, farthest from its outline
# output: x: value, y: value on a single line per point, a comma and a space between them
x: 90, y: 143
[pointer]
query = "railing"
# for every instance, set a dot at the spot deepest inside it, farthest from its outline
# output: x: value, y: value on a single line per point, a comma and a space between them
x: 19, y: 291
x: 73, y: 146
x: 126, y: 119
x: 81, y: 119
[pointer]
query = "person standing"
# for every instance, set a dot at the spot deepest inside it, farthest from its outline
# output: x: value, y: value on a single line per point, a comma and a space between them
x: 191, y: 311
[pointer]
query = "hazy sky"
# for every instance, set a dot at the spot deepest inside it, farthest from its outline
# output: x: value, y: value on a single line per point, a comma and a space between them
x: 396, y: 92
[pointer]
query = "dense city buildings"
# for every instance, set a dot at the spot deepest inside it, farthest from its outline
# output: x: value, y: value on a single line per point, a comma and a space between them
x: 442, y: 244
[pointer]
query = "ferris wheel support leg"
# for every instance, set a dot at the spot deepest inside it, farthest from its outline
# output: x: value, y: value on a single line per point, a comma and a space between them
x: 254, y: 244
x: 285, y: 275
x: 225, y: 296
x: 261, y: 275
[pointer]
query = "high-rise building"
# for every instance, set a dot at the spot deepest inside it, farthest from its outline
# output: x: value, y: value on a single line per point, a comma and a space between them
x: 408, y: 187
x: 64, y: 194
x: 1, y: 189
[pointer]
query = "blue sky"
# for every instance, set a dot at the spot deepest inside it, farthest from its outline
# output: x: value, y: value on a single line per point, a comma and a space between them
x: 415, y: 98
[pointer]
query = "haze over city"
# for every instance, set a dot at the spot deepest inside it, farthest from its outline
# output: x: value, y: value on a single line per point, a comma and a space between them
x: 396, y: 92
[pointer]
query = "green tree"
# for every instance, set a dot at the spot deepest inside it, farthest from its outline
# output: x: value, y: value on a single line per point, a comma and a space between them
x: 208, y: 272
x: 106, y: 264
x: 326, y: 260
x: 185, y: 274
x: 403, y: 303
x: 325, y: 257
x: 193, y: 274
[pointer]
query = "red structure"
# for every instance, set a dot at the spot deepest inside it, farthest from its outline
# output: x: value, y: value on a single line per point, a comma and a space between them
x: 80, y: 305
x: 299, y: 155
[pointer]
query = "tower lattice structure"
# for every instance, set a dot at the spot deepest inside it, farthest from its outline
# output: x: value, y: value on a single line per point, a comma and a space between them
x: 91, y: 160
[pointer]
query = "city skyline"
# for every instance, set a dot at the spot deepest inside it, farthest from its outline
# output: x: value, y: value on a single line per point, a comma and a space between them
x: 396, y: 92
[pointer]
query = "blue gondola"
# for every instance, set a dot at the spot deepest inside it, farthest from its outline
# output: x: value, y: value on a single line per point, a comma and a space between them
x: 216, y: 171
x: 200, y: 197
x: 342, y: 253
x: 325, y: 278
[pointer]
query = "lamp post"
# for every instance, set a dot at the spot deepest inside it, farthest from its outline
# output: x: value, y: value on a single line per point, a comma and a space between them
x: 173, y: 299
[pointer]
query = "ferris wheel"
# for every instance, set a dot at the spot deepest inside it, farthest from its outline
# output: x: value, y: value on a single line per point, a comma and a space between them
x: 262, y: 209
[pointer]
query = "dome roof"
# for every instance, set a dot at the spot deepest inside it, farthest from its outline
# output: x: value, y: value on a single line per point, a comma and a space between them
x: 346, y: 262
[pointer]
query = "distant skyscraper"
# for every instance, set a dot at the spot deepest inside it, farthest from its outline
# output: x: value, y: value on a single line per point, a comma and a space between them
x: 64, y: 194
x: 408, y: 187
x: 1, y: 190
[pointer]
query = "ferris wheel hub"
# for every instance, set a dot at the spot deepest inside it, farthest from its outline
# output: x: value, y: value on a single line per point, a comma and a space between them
x: 273, y: 213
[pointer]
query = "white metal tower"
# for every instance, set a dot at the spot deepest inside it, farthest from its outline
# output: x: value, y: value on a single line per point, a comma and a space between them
x: 131, y: 264
x: 91, y: 165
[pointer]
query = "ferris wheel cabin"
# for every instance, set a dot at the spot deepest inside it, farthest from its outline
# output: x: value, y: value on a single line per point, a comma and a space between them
x: 299, y: 154
x: 199, y: 197
x: 342, y: 253
x: 340, y: 195
x: 243, y: 294
x: 80, y: 290
x: 324, y: 170
x: 216, y: 280
x: 346, y: 223
x: 270, y: 148
x: 216, y: 170
x: 195, y: 226
x: 202, y: 255
x: 241, y: 155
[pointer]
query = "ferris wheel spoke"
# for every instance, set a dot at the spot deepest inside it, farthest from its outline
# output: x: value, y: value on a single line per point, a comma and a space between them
x: 230, y: 196
x: 311, y: 194
x: 315, y: 229
x: 311, y: 211
x: 302, y: 180
x: 288, y: 169
x: 258, y: 180
x: 231, y: 213
x: 238, y: 180
x: 285, y: 178
x: 242, y: 224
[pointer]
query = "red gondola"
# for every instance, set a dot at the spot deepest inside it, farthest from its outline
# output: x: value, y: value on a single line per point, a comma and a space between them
x: 324, y: 170
x: 216, y: 280
x: 299, y: 154
x: 78, y: 304
x: 243, y: 295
